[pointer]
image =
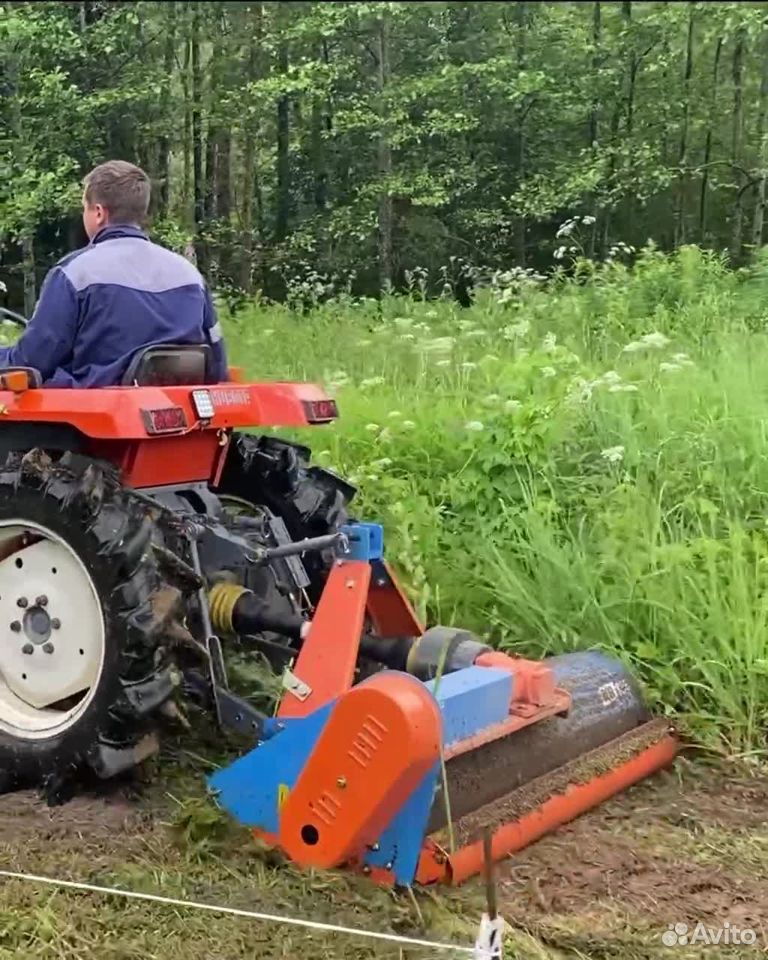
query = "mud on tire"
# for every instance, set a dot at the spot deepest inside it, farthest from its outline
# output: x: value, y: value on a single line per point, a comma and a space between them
x: 83, y: 505
x: 274, y: 473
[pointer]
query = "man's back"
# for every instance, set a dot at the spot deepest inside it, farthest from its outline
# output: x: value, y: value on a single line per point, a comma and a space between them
x: 102, y: 304
x: 130, y: 293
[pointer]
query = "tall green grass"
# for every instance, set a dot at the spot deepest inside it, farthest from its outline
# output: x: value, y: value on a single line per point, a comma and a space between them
x: 566, y: 464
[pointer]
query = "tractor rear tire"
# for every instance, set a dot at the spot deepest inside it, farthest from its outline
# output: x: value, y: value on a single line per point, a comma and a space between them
x: 78, y: 510
x: 274, y: 473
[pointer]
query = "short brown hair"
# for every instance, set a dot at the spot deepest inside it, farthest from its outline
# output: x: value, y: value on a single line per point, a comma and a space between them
x: 122, y: 188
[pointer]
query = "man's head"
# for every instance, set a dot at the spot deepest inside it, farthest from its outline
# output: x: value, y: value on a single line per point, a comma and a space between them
x: 115, y: 192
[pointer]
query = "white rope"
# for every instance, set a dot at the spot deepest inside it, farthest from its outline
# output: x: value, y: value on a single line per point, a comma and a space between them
x: 233, y: 911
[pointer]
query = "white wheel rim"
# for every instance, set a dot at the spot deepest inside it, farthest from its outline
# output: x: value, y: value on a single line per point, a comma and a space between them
x: 52, y: 639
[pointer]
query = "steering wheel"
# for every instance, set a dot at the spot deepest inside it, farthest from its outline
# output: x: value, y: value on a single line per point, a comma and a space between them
x: 6, y: 314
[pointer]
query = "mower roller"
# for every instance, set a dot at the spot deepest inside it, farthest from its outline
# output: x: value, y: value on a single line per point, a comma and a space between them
x: 144, y: 538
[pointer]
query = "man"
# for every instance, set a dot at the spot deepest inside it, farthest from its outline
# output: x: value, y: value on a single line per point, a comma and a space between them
x: 100, y: 305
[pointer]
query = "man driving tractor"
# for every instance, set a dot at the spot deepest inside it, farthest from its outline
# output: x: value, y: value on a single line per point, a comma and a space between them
x: 101, y: 304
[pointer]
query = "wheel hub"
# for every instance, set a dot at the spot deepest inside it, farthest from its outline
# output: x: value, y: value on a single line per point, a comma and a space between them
x: 51, y: 632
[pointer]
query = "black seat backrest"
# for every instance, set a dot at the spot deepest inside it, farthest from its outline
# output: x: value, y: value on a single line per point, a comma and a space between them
x: 170, y: 365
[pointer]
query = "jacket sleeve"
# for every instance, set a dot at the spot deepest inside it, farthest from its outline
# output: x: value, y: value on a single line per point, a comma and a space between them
x: 216, y: 339
x: 47, y: 342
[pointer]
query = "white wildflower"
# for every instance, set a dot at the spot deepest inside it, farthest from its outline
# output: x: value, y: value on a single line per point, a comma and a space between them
x: 382, y: 464
x: 610, y: 377
x: 408, y: 425
x: 406, y: 336
x: 548, y: 372
x: 588, y: 220
x: 403, y: 321
x: 516, y: 330
x: 468, y: 365
x: 549, y: 343
x: 439, y: 345
x: 473, y: 334
x: 475, y: 426
x: 635, y: 346
x: 559, y: 253
x: 371, y: 427
x: 491, y: 398
x: 394, y: 414
x: 655, y: 340
x: 622, y: 388
x: 566, y: 229
x: 491, y: 357
x: 385, y: 434
x: 613, y: 454
x: 683, y: 359
x: 371, y: 382
x: 443, y: 363
x: 669, y: 367
x: 511, y: 405
x: 581, y: 390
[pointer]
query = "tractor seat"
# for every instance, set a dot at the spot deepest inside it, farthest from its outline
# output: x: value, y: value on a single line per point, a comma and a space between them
x: 171, y: 365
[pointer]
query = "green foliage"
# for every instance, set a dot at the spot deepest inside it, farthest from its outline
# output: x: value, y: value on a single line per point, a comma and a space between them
x: 468, y: 128
x: 571, y: 463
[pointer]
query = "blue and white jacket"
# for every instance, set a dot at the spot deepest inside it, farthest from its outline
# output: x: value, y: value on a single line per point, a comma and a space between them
x: 101, y: 304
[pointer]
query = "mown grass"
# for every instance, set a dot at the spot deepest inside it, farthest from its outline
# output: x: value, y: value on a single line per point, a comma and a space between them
x: 571, y: 463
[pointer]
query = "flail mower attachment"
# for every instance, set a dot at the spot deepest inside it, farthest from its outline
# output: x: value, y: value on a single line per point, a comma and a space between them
x: 352, y: 775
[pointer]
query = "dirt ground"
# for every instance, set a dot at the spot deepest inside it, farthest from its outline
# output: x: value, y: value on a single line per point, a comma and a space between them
x: 689, y: 847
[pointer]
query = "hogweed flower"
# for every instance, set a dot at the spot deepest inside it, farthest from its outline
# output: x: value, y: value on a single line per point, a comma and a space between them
x: 475, y: 426
x: 613, y: 454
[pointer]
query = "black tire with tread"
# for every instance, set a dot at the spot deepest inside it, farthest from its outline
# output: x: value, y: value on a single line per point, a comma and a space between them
x: 275, y: 473
x: 84, y: 503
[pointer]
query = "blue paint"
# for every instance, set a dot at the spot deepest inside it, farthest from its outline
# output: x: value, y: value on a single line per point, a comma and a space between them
x: 471, y: 700
x: 249, y: 788
x: 365, y: 541
x: 400, y: 843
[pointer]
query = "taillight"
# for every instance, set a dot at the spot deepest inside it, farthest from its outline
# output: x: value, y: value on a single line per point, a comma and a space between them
x: 164, y: 420
x: 320, y: 411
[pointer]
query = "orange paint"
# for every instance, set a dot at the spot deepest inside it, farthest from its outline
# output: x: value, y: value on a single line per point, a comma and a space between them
x: 390, y: 610
x: 534, y: 680
x: 380, y: 741
x: 553, y: 813
x: 328, y: 656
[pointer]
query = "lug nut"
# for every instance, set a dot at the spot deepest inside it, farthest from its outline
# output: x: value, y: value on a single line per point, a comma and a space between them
x: 55, y: 623
x: 42, y: 601
x: 47, y: 648
x: 27, y: 648
x: 341, y: 782
x: 16, y: 626
x: 22, y: 602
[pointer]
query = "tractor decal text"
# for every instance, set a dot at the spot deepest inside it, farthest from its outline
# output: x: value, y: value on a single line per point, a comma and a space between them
x: 231, y: 397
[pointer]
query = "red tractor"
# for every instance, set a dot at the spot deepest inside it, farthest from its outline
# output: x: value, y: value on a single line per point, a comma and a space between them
x: 139, y: 528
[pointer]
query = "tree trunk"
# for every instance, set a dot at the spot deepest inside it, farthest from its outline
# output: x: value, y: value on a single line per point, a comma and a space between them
x: 385, y: 212
x: 282, y: 212
x: 708, y: 142
x: 594, y: 116
x: 28, y: 272
x: 682, y: 156
x: 185, y: 85
x: 197, y: 137
x: 319, y: 166
x: 737, y: 137
x: 164, y: 147
x: 521, y: 13
x: 758, y: 216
